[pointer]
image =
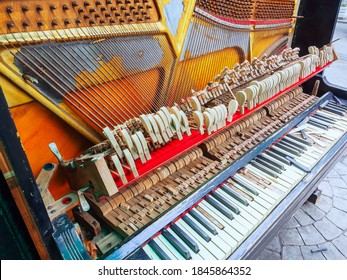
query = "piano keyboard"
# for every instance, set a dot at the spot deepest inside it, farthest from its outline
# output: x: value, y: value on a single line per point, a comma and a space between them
x: 224, y: 218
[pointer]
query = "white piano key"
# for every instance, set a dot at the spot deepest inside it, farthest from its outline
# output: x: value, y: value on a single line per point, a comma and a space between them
x: 251, y: 212
x: 195, y: 256
x: 264, y: 175
x: 246, y: 225
x: 220, y: 239
x: 230, y: 225
x: 150, y: 252
x: 264, y: 199
x: 241, y: 224
x: 164, y: 242
x: 294, y: 171
x: 301, y: 160
x: 276, y: 191
x: 266, y: 191
x: 210, y: 247
x: 163, y: 246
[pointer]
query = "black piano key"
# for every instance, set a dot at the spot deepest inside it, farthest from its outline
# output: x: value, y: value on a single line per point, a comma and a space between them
x: 156, y: 248
x: 293, y: 147
x: 316, y: 124
x: 338, y: 102
x: 185, y: 237
x: 209, y: 226
x: 235, y: 195
x: 226, y: 203
x: 326, y: 120
x: 261, y: 167
x: 177, y: 244
x: 334, y: 107
x: 303, y: 141
x: 293, y: 143
x: 278, y: 157
x: 220, y: 207
x: 336, y: 112
x: 288, y: 149
x: 325, y: 117
x: 268, y: 164
x: 268, y: 159
x: 298, y: 165
x: 139, y: 254
x: 322, y: 122
x: 303, y: 134
x: 278, y: 152
x: 247, y: 187
x: 196, y: 228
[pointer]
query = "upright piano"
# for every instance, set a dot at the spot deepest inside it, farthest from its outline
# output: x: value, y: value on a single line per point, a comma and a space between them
x: 143, y: 129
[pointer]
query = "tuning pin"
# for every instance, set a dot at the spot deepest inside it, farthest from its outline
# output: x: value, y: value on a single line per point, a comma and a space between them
x: 9, y: 9
x: 10, y: 24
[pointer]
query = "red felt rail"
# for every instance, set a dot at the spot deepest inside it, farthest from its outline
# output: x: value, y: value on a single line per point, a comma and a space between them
x: 177, y: 148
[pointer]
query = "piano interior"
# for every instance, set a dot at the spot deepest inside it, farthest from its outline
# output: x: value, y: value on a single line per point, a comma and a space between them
x: 161, y: 129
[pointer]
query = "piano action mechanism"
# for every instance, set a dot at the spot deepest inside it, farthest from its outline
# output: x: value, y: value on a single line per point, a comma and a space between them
x: 187, y: 125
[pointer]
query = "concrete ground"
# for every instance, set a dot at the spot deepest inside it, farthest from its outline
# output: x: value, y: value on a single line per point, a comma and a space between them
x: 319, y: 231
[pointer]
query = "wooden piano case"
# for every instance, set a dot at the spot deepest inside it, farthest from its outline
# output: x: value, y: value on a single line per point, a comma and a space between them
x: 181, y: 67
